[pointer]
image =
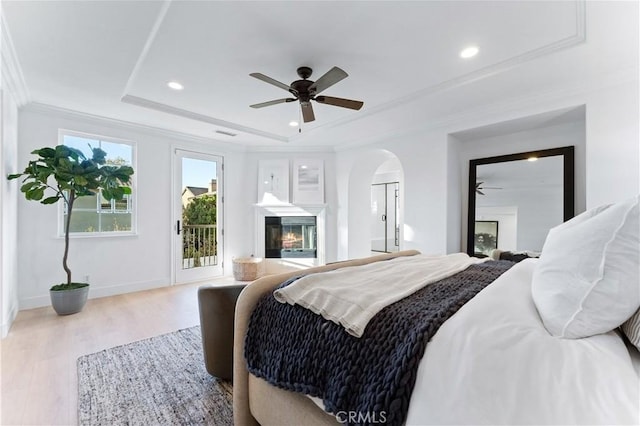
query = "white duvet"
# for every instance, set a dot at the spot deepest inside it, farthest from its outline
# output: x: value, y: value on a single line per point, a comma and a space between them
x: 493, y: 362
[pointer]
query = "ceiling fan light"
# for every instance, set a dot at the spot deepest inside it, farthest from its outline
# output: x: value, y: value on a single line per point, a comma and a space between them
x: 469, y: 52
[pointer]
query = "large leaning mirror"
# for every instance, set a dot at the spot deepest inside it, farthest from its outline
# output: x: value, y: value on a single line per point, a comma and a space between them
x: 515, y: 199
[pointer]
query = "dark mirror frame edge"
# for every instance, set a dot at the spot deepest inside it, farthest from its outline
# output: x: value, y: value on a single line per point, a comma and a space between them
x: 568, y: 188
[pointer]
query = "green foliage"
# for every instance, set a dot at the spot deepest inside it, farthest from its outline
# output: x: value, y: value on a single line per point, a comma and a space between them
x: 200, y: 211
x: 66, y: 174
x: 68, y: 286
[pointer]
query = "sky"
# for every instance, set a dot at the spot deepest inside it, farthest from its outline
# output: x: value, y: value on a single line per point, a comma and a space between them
x: 197, y: 172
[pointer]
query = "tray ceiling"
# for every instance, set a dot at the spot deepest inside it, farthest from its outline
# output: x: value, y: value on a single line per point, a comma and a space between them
x: 114, y: 59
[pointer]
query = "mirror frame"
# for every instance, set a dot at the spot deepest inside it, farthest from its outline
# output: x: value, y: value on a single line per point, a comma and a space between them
x: 566, y: 152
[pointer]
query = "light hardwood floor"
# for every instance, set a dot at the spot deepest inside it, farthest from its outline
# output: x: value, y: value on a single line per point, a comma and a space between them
x: 39, y: 382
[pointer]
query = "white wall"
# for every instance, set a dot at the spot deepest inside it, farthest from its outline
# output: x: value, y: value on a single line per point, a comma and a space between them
x: 607, y: 151
x: 613, y: 144
x: 9, y: 192
x: 13, y: 93
x: 117, y: 264
x: 131, y: 263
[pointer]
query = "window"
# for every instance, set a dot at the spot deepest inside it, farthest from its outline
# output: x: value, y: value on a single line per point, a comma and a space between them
x: 92, y: 214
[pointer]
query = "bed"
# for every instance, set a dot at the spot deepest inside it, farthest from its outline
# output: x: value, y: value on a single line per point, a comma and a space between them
x: 500, y: 358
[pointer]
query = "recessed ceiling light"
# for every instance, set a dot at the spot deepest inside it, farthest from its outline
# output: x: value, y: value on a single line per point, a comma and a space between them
x: 532, y: 159
x: 293, y: 123
x: 175, y: 85
x: 469, y: 52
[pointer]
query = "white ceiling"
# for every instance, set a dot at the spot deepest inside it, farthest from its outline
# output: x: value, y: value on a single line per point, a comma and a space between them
x: 114, y: 58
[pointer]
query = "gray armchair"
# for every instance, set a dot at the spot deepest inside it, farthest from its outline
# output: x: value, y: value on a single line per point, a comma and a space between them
x: 217, y: 310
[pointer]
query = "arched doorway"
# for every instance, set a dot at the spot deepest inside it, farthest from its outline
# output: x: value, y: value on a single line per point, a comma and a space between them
x: 368, y: 168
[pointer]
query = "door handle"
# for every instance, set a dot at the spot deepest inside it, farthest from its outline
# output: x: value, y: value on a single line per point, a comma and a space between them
x: 384, y: 217
x: 178, y: 227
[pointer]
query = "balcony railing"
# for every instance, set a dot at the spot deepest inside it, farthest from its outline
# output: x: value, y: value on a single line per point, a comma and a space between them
x: 199, y: 246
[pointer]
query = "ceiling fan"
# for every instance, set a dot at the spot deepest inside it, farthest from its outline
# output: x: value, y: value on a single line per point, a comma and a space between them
x: 306, y: 91
x: 480, y: 188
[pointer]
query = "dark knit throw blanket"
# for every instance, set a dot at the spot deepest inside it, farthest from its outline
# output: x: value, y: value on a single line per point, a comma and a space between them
x: 362, y: 380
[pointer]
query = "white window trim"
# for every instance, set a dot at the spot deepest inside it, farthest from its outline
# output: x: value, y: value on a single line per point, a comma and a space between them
x: 133, y: 201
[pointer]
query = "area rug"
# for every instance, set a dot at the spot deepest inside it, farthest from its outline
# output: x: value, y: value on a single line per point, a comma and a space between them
x: 157, y: 381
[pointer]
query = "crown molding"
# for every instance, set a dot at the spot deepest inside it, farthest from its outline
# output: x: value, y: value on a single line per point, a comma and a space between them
x: 12, y: 76
x: 157, y: 131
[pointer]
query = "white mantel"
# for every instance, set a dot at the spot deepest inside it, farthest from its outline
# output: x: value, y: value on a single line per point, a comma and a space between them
x: 281, y: 210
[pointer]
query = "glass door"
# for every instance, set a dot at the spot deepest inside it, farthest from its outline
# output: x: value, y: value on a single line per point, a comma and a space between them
x: 385, y: 228
x: 198, y: 216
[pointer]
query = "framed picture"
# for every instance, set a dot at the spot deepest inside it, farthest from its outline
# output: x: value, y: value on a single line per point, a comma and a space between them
x: 273, y: 181
x: 486, y: 237
x: 308, y: 181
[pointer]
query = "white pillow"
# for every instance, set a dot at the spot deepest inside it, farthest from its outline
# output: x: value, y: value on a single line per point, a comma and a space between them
x: 588, y: 278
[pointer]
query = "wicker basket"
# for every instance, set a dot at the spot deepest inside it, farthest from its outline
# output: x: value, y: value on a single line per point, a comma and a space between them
x: 247, y: 268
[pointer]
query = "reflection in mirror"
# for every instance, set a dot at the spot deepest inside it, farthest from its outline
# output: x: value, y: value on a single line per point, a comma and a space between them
x: 515, y: 200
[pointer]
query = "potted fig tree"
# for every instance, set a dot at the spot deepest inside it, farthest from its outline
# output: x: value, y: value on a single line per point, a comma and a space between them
x: 65, y: 173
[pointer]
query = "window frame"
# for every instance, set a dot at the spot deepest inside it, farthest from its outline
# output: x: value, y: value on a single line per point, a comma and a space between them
x: 131, y: 200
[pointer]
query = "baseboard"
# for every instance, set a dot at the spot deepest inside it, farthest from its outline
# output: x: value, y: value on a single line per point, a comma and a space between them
x: 96, y: 292
x: 114, y: 290
x: 12, y: 316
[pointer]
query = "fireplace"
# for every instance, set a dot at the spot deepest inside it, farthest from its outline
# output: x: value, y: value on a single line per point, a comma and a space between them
x: 290, y: 236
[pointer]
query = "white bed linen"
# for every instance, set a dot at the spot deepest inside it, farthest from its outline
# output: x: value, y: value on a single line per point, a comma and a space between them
x: 351, y: 296
x: 493, y: 362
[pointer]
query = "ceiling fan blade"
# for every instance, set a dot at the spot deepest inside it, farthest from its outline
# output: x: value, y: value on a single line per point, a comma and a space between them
x: 307, y: 112
x: 270, y: 80
x: 269, y: 103
x: 344, y: 103
x: 331, y: 77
